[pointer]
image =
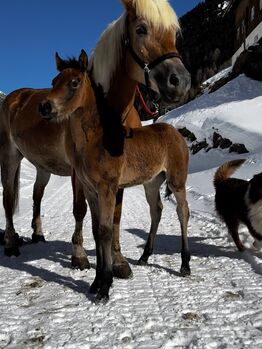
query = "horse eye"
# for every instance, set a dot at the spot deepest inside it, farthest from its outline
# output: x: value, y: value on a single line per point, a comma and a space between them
x: 74, y: 83
x: 141, y: 30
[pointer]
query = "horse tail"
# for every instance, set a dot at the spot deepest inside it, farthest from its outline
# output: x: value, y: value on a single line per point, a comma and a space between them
x: 226, y: 170
x: 168, y: 192
x: 17, y: 186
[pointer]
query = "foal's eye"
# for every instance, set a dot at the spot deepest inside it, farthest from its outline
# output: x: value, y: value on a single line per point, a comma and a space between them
x: 141, y: 30
x: 74, y: 83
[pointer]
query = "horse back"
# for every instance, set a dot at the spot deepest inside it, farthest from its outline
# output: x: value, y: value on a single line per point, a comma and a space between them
x: 151, y: 150
x: 40, y: 141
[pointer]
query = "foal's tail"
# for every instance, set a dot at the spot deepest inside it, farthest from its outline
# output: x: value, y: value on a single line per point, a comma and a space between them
x: 226, y: 170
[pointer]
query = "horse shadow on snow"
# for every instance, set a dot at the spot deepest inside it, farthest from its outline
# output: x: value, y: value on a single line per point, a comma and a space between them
x: 170, y: 244
x: 57, y: 252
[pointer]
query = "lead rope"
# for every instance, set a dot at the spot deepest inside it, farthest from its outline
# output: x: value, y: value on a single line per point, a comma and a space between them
x: 152, y: 114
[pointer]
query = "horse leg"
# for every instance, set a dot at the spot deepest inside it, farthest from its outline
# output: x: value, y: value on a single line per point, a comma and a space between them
x: 183, y: 215
x: 10, y: 175
x: 93, y: 205
x: 121, y: 268
x: 79, y: 258
x: 42, y: 178
x: 104, y: 271
x: 154, y: 200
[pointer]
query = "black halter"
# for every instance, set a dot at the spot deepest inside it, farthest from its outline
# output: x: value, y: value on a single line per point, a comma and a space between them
x: 147, y: 67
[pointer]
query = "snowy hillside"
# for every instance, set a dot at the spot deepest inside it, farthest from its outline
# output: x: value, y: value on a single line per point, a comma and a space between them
x: 234, y: 111
x: 45, y: 304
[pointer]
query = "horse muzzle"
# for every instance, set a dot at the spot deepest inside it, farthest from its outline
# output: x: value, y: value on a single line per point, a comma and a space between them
x: 173, y: 81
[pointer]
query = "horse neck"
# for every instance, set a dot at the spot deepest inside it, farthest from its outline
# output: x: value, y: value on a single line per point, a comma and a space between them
x: 87, y: 110
x: 121, y: 96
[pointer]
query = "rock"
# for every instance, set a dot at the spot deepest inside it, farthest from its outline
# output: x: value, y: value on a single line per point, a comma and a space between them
x: 187, y: 134
x: 219, y: 141
x: 225, y: 143
x: 238, y: 148
x: 196, y: 147
x: 217, y: 138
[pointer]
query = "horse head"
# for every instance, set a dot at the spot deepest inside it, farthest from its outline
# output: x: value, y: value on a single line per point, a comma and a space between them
x: 69, y: 88
x: 151, y: 56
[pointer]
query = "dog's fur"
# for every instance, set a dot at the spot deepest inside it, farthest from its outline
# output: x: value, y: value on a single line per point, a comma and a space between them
x: 239, y: 201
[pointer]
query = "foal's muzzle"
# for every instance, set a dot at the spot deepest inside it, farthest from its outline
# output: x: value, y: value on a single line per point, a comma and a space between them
x: 45, y: 109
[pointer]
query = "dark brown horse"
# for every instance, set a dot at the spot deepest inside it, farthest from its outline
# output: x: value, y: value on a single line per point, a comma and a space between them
x: 107, y: 156
x: 142, y: 38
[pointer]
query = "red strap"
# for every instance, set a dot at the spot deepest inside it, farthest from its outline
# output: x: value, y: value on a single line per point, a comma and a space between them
x: 145, y: 107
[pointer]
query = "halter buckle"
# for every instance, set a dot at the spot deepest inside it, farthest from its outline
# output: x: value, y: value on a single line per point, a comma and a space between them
x: 146, y: 68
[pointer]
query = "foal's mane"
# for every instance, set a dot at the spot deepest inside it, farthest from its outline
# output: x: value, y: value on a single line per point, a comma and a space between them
x: 71, y: 62
x: 108, y: 52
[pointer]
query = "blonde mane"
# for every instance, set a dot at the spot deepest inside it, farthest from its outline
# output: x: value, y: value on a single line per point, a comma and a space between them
x: 157, y: 12
x: 108, y: 52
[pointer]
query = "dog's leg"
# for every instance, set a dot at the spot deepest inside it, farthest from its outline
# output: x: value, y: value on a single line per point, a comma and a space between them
x: 233, y: 226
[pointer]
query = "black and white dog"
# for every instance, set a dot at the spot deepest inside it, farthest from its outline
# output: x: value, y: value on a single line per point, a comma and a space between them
x: 239, y: 201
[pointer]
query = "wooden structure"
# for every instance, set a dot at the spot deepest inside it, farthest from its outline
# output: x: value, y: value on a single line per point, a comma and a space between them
x: 248, y: 24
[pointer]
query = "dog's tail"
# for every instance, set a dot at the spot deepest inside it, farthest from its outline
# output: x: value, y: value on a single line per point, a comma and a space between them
x: 226, y: 170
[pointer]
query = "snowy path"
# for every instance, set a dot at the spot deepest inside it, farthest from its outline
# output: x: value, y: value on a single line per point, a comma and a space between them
x: 45, y: 304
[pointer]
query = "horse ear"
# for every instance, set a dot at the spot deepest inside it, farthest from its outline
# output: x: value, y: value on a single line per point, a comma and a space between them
x: 83, y: 59
x: 59, y: 62
x: 127, y: 4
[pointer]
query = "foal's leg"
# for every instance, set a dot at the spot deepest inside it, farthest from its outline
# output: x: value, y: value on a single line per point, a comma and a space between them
x: 156, y: 206
x: 183, y: 216
x: 79, y: 258
x: 106, y: 200
x: 42, y: 178
x: 121, y: 268
x: 10, y: 175
x: 93, y: 205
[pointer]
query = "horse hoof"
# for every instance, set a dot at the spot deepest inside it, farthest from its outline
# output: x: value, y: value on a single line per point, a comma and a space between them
x: 2, y: 241
x: 80, y: 263
x: 12, y: 251
x: 20, y: 241
x: 185, y: 271
x: 101, y: 298
x: 94, y: 288
x: 141, y: 262
x: 122, y: 271
x: 38, y: 238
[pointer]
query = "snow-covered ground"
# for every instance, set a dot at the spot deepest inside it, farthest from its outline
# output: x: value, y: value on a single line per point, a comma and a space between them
x: 45, y: 304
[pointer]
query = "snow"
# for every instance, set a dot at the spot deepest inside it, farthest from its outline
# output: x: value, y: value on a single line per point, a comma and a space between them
x: 217, y: 77
x: 45, y: 304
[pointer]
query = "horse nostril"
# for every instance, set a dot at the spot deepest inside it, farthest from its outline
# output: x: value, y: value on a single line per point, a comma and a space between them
x: 45, y: 109
x: 174, y: 80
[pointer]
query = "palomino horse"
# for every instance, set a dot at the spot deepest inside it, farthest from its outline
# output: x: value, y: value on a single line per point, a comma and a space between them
x: 107, y: 156
x: 139, y: 47
x: 145, y: 33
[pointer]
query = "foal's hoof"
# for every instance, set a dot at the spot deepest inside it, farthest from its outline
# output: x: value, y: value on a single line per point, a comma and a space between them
x: 12, y: 251
x: 80, y: 263
x: 94, y: 288
x: 142, y: 261
x: 102, y: 298
x: 38, y: 238
x: 2, y: 241
x: 122, y: 271
x: 185, y: 271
